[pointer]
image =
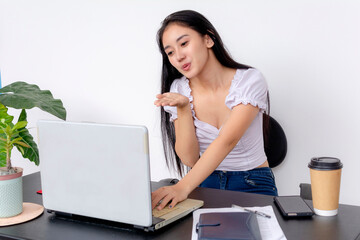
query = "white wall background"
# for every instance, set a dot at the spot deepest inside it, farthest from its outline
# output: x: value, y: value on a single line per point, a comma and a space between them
x: 101, y: 58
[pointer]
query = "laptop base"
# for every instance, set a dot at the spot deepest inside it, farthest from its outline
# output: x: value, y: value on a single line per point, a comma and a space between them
x: 91, y: 221
x: 182, y: 209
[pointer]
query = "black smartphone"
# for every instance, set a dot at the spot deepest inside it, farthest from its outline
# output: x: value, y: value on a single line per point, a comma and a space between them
x: 293, y: 206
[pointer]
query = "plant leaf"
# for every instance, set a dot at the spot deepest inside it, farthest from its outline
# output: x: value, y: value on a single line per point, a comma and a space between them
x: 7, y: 120
x: 19, y: 141
x: 2, y: 159
x: 31, y: 153
x: 21, y: 95
x: 4, y: 115
x: 21, y: 150
x: 19, y: 125
x: 22, y: 144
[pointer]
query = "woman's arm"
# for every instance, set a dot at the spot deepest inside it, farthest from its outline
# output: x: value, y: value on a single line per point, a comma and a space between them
x: 239, y: 121
x: 186, y: 144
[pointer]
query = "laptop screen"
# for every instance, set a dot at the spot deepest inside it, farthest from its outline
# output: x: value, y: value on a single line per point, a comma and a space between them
x: 96, y: 170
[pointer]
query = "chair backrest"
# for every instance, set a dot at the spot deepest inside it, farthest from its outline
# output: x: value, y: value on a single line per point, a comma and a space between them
x: 305, y: 191
x: 275, y: 143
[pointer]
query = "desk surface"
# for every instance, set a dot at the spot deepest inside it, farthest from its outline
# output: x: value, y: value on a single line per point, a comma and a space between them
x: 346, y: 225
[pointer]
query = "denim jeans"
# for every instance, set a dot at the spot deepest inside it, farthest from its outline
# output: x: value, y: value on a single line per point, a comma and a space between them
x: 258, y: 180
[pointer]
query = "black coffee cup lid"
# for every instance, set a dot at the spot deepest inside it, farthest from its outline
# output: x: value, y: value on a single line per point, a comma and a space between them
x: 325, y: 163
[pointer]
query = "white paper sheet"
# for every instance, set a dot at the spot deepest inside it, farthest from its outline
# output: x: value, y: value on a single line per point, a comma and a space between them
x: 269, y: 227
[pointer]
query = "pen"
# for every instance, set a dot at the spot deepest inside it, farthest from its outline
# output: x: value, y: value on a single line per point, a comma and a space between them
x: 252, y: 211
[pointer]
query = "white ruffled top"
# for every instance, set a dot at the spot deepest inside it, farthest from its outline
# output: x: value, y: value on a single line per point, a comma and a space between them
x: 247, y: 87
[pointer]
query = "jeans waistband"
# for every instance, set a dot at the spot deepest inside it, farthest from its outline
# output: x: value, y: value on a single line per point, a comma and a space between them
x: 255, y: 170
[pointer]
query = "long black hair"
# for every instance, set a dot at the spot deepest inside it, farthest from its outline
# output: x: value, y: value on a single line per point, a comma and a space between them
x: 200, y: 24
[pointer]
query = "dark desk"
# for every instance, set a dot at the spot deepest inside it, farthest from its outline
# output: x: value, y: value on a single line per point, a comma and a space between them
x: 346, y: 225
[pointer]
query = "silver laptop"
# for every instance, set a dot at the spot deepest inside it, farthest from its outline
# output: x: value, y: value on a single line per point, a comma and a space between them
x: 101, y: 171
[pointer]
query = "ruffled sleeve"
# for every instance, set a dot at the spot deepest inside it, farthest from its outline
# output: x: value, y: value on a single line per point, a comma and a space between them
x: 248, y: 87
x: 181, y: 86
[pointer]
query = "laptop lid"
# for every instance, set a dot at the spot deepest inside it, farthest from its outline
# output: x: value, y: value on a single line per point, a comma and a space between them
x: 96, y: 170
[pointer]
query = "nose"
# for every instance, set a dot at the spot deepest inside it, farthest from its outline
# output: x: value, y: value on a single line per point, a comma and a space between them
x: 179, y: 55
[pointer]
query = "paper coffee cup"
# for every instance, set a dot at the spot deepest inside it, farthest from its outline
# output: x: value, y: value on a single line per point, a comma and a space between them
x: 325, y: 174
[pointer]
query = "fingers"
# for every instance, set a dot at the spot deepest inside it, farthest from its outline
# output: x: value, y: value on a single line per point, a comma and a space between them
x: 171, y: 99
x: 174, y: 201
x: 165, y: 102
x: 164, y: 95
x: 162, y: 103
x: 159, y: 95
x: 162, y: 100
x: 164, y: 202
x: 161, y: 197
x: 156, y: 197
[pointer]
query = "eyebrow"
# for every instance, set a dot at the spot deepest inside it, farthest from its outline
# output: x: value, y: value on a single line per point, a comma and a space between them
x: 177, y: 40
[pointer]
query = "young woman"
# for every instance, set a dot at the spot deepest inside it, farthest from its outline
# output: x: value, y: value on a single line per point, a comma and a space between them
x: 212, y: 113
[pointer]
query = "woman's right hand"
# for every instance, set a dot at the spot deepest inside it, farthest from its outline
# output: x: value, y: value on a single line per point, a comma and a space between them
x: 169, y: 194
x: 171, y: 99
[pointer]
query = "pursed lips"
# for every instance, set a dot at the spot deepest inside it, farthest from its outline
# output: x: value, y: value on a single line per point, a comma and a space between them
x: 186, y: 66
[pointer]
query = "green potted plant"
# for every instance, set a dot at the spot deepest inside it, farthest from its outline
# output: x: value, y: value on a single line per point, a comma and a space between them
x: 20, y: 95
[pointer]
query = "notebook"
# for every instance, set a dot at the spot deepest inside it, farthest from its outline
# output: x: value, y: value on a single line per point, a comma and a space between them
x: 101, y: 171
x: 228, y: 225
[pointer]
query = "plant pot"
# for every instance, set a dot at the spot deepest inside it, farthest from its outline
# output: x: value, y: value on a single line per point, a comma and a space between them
x: 11, y: 194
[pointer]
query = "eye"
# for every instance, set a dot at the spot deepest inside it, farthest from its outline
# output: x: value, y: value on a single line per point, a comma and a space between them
x: 184, y: 43
x: 170, y: 53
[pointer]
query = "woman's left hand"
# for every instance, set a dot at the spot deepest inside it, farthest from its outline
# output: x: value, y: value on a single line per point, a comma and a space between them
x: 161, y: 197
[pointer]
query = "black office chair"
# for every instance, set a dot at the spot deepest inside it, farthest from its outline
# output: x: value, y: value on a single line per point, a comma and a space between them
x: 275, y: 143
x: 305, y: 191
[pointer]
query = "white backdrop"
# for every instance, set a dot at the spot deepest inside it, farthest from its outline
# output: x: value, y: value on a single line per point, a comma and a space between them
x: 101, y: 58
